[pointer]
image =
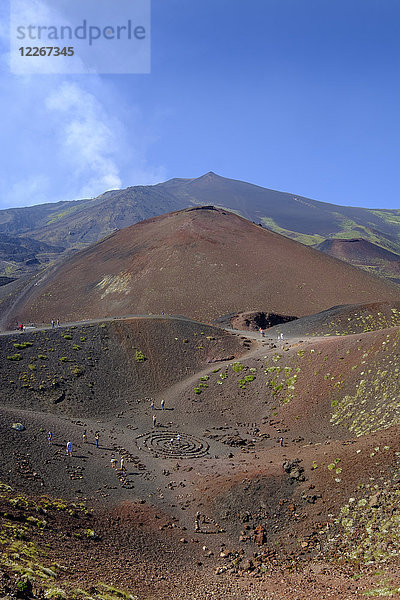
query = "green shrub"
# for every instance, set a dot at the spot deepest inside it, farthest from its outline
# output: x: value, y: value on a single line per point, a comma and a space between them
x: 91, y: 535
x: 23, y: 585
x: 42, y: 356
x: 197, y: 390
x: 22, y: 345
x: 15, y: 357
x: 237, y: 367
x: 55, y: 594
x: 139, y: 356
x: 67, y: 336
x: 76, y: 347
x: 249, y: 378
x: 77, y: 371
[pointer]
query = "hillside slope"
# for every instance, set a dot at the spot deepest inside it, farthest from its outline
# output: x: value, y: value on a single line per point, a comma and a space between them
x: 283, y: 482
x: 364, y: 254
x: 75, y: 225
x: 200, y: 262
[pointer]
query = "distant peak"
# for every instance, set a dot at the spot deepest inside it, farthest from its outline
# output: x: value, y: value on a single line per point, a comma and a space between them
x: 209, y: 175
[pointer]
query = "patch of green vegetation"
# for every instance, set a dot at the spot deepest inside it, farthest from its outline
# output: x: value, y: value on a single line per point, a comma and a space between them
x: 197, y: 390
x: 56, y: 593
x: 110, y: 592
x: 23, y: 585
x: 383, y: 591
x: 76, y: 347
x: 139, y: 356
x: 67, y: 336
x: 21, y: 346
x: 91, y: 534
x: 360, y: 322
x: 245, y: 380
x: 5, y: 488
x: 42, y: 356
x: 76, y: 370
x: 375, y: 404
x: 40, y: 523
x: 249, y: 378
x: 392, y: 217
x: 369, y: 526
x: 9, y: 270
x: 224, y: 374
x: 20, y: 556
x: 64, y: 213
x: 237, y: 367
x: 15, y: 357
x: 303, y: 238
x: 281, y: 380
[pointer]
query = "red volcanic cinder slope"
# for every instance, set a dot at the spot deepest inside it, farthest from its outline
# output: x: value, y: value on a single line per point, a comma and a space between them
x: 362, y: 253
x: 357, y: 250
x: 203, y: 263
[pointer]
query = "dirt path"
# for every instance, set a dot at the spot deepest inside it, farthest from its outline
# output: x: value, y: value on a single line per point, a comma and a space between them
x: 44, y: 327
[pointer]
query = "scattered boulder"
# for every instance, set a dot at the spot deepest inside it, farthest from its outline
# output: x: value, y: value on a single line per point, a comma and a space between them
x: 374, y: 501
x: 294, y: 470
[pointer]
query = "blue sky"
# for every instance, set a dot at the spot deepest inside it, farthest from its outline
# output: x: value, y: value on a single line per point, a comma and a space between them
x: 295, y: 95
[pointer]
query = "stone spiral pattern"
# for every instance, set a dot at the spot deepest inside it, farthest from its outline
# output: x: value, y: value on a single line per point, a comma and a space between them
x: 166, y: 444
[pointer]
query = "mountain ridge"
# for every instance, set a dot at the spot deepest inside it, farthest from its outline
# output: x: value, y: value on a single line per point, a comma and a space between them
x: 77, y: 224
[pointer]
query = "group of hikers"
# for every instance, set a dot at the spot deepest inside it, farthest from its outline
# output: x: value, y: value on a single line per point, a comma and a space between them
x: 162, y: 407
x: 54, y: 323
x: 261, y: 332
x: 68, y: 448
